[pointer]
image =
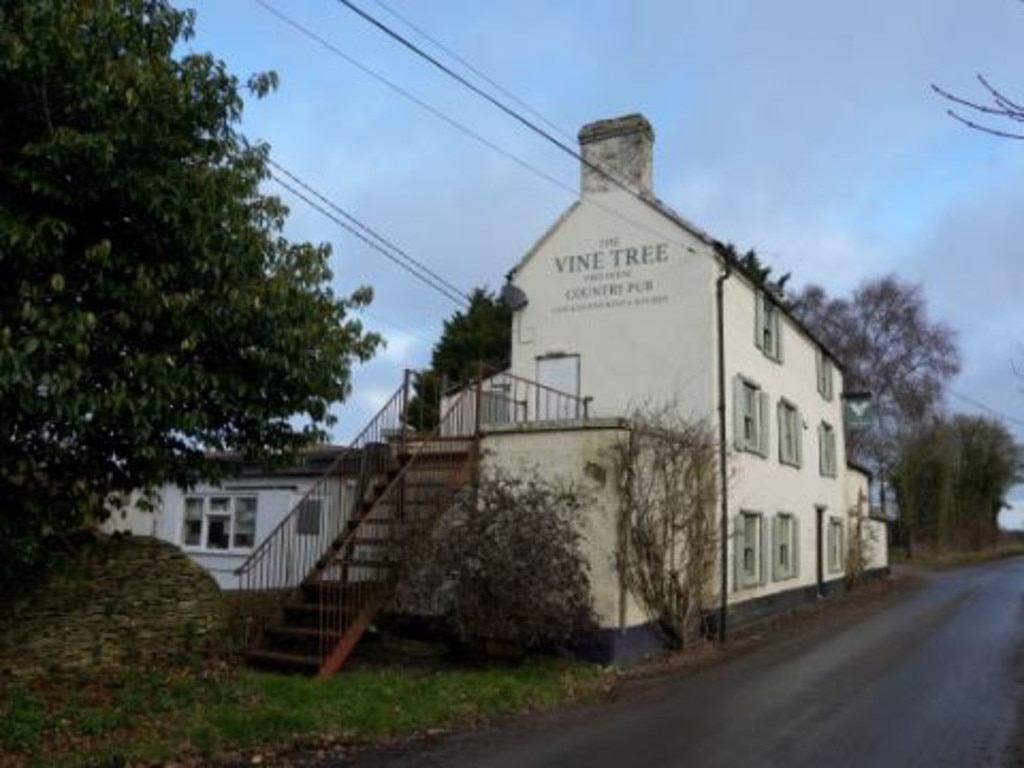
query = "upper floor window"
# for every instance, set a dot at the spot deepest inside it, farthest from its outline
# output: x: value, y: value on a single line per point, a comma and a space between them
x: 768, y: 331
x: 220, y: 522
x: 750, y: 416
x: 790, y: 434
x: 826, y: 449
x: 824, y: 368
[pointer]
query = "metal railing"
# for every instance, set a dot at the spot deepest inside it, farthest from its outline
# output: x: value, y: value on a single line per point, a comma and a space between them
x: 292, y: 550
x: 504, y: 398
x: 362, y: 573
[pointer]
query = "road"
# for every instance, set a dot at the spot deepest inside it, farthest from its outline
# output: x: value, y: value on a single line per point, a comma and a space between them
x: 930, y: 679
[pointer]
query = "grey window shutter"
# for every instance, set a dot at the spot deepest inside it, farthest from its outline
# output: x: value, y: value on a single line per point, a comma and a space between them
x: 794, y: 556
x: 759, y: 320
x: 737, y: 553
x: 780, y: 412
x: 798, y: 438
x: 739, y: 403
x: 764, y: 437
x: 821, y: 449
x: 765, y: 551
x: 777, y: 568
x: 777, y: 334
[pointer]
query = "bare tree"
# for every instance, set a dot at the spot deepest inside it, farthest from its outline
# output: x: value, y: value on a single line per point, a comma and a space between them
x: 889, y: 347
x: 667, y: 469
x: 997, y: 107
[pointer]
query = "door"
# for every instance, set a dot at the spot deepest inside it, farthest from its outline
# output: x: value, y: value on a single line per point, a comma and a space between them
x: 558, y: 376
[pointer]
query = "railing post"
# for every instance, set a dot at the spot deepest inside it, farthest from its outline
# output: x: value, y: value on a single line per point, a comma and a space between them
x: 404, y: 422
x: 479, y: 399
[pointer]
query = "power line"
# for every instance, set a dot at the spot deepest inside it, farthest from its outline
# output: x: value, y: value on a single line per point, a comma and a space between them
x: 988, y: 409
x: 546, y: 135
x: 458, y: 298
x: 440, y: 115
x: 415, y: 263
x: 475, y: 70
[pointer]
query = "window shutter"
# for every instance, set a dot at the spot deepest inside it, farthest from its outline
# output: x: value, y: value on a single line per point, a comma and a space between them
x: 777, y: 334
x: 777, y: 569
x: 780, y: 412
x: 766, y: 554
x: 798, y: 438
x: 738, y: 410
x: 764, y: 436
x: 737, y: 553
x: 821, y: 449
x: 759, y: 320
x: 794, y: 555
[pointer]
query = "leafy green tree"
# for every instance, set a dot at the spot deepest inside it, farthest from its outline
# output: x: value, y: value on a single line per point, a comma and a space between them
x: 150, y: 309
x: 479, y: 335
x: 951, y: 480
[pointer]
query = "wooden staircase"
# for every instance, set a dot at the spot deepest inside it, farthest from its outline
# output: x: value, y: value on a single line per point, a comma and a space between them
x: 313, y: 588
x: 321, y: 621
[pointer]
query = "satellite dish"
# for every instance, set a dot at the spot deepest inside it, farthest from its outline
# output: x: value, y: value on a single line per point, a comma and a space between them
x: 513, y: 297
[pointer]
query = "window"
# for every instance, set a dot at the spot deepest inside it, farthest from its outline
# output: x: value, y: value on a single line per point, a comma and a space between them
x: 307, y: 518
x: 826, y: 449
x: 785, y: 544
x: 220, y: 522
x: 790, y: 434
x: 750, y: 417
x: 824, y: 368
x: 768, y: 327
x: 835, y: 545
x: 748, y: 559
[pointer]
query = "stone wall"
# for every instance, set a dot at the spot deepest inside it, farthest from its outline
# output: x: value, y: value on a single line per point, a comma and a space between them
x: 119, y: 604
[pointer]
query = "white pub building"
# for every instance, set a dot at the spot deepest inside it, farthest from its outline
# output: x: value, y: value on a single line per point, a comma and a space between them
x: 627, y: 303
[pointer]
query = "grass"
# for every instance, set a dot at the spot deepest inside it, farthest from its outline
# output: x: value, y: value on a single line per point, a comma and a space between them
x: 155, y: 716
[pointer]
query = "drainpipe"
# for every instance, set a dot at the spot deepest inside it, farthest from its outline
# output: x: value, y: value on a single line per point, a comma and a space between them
x: 722, y: 467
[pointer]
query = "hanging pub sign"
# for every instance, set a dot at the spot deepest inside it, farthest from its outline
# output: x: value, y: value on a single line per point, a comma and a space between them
x: 858, y: 411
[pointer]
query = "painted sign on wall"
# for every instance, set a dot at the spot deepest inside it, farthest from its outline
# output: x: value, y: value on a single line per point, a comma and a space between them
x: 612, y: 276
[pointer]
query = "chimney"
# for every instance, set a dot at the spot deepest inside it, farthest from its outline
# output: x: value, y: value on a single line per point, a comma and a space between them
x: 623, y: 148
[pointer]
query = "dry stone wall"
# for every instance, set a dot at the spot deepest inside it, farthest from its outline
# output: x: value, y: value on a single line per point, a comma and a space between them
x: 120, y: 604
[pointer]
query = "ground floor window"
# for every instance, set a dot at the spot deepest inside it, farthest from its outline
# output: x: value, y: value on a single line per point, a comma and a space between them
x: 748, y: 550
x: 785, y: 546
x: 835, y: 544
x: 220, y: 522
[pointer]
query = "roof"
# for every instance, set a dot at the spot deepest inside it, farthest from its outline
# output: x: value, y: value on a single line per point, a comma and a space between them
x: 859, y: 468
x: 314, y: 460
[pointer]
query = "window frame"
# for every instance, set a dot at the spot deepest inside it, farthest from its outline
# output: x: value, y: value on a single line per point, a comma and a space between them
x: 749, y: 522
x: 825, y: 373
x: 828, y: 461
x: 790, y: 421
x: 768, y: 326
x: 748, y: 394
x: 211, y: 509
x: 785, y: 534
x: 836, y: 550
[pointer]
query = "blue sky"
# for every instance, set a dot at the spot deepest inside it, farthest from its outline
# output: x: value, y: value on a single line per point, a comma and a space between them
x: 804, y: 129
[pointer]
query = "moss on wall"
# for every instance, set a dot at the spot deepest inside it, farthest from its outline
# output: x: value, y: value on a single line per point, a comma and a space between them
x: 119, y: 604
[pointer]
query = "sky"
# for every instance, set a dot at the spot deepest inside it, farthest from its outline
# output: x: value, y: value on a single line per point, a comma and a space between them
x: 804, y: 129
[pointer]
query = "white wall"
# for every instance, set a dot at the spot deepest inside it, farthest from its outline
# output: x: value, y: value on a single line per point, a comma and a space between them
x: 641, y: 329
x: 766, y: 485
x: 580, y: 457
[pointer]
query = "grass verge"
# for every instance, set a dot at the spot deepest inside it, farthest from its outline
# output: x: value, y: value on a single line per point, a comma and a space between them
x: 199, y: 714
x: 952, y: 559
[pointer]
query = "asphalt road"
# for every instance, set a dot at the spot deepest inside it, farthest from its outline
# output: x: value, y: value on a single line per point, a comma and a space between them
x: 933, y: 678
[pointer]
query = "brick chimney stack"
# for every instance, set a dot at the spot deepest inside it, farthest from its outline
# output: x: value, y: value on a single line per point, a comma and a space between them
x: 623, y: 147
